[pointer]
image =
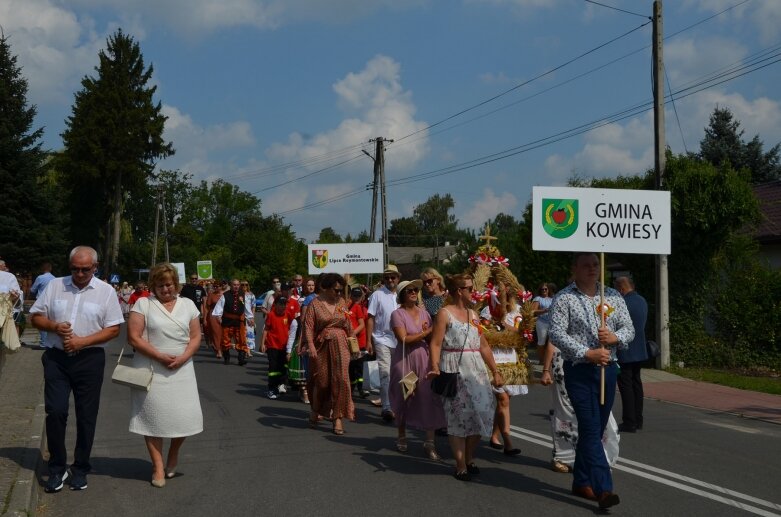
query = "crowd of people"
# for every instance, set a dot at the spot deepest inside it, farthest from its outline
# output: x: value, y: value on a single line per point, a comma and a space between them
x: 438, y: 372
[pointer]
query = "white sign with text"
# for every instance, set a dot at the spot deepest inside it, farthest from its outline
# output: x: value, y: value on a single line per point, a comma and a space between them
x: 345, y: 258
x: 601, y: 220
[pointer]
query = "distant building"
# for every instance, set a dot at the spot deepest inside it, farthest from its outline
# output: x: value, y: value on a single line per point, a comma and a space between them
x: 409, y: 258
x: 768, y: 232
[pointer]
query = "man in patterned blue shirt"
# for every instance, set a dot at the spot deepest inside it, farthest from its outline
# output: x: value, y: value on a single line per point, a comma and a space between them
x: 587, y: 346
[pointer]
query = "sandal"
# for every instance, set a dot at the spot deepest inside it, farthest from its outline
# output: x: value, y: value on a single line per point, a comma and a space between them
x: 338, y: 431
x: 401, y: 444
x: 313, y: 422
x: 430, y: 450
x: 557, y: 466
x: 473, y: 469
x: 462, y: 476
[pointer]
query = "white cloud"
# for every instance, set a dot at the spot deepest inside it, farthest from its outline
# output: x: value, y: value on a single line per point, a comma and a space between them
x: 193, y: 18
x: 55, y: 48
x: 609, y: 151
x: 381, y: 107
x: 194, y: 143
x: 691, y: 59
x: 487, y: 207
x: 765, y: 15
x: 628, y: 148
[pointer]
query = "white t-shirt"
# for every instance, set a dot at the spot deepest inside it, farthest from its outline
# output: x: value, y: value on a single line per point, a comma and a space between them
x: 382, y: 303
x: 8, y: 282
x: 88, y: 310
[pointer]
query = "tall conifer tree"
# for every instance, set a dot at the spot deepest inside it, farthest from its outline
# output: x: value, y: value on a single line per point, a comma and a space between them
x: 112, y: 140
x: 31, y: 230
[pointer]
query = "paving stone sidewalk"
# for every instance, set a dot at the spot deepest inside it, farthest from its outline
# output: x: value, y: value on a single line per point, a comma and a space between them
x: 21, y: 426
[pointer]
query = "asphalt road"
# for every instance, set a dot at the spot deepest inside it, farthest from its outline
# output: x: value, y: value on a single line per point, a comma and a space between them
x: 258, y: 457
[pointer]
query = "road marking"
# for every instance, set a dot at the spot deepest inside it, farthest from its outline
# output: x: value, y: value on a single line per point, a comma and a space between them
x: 738, y: 428
x: 633, y: 467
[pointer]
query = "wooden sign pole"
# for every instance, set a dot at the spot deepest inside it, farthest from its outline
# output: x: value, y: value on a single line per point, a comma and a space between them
x: 602, y: 316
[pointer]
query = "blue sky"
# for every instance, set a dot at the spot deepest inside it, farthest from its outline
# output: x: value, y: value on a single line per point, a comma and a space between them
x: 251, y: 85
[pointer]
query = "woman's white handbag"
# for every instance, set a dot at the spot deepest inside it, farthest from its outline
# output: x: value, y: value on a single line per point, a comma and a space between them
x: 136, y: 378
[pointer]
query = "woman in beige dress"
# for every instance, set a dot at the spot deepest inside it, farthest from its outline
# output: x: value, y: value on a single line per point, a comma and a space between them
x: 165, y: 331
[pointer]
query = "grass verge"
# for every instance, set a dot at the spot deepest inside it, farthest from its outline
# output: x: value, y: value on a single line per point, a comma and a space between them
x: 770, y: 385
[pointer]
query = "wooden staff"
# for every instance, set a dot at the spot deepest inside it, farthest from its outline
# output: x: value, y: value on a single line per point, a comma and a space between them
x: 602, y: 315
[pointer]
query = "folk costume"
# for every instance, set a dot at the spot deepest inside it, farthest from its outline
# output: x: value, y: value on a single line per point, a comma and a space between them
x: 234, y: 332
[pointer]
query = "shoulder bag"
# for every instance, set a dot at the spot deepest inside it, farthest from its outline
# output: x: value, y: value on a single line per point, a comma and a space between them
x: 446, y: 383
x: 136, y: 378
x: 409, y: 382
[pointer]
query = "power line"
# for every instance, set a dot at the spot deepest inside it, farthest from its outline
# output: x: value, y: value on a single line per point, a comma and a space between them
x: 330, y: 155
x: 675, y: 110
x: 314, y: 173
x: 617, y: 9
x: 524, y: 83
x: 629, y: 112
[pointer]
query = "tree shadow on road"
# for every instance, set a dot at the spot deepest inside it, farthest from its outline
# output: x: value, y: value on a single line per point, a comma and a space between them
x: 283, y: 417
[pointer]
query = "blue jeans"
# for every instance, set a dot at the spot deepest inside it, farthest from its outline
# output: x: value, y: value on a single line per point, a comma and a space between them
x: 582, y: 383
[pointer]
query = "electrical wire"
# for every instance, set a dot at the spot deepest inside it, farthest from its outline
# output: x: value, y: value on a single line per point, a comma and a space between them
x: 626, y: 113
x: 340, y: 153
x: 675, y: 110
x: 617, y: 9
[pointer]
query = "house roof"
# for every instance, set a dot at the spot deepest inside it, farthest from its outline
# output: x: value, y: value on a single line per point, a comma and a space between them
x: 412, y: 254
x: 769, y: 197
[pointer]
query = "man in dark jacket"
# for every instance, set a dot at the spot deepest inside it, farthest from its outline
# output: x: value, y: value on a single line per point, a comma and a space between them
x: 629, y: 382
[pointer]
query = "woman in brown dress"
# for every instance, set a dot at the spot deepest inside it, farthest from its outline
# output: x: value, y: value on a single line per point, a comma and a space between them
x: 326, y: 328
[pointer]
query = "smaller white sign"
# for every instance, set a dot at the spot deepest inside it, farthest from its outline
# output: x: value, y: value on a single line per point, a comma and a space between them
x: 180, y: 268
x: 601, y: 220
x: 352, y: 258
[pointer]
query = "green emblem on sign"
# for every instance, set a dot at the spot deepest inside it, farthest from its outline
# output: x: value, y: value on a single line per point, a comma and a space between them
x: 204, y: 270
x: 319, y: 258
x: 560, y: 217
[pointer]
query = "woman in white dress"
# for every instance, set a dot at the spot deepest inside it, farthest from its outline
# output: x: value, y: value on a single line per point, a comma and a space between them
x: 164, y: 330
x: 458, y: 346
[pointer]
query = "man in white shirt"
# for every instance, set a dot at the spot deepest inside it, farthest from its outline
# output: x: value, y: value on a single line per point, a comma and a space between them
x: 381, y: 340
x: 80, y: 314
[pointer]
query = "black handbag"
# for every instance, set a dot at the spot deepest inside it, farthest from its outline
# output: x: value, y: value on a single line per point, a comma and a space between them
x: 446, y: 383
x: 653, y: 349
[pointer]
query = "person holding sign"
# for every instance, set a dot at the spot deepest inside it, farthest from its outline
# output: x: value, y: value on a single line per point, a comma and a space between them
x: 588, y: 344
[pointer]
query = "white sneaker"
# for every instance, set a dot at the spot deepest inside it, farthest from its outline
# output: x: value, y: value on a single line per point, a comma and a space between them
x: 281, y: 388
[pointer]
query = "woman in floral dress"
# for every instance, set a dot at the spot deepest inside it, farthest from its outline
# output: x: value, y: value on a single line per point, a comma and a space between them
x: 326, y: 328
x: 457, y: 345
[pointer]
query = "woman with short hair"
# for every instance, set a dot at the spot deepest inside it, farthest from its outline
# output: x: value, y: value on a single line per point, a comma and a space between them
x: 165, y: 331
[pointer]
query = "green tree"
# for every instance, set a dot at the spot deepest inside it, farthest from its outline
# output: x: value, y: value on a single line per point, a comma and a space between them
x: 434, y: 219
x: 30, y: 227
x: 329, y: 236
x: 112, y: 140
x: 723, y: 144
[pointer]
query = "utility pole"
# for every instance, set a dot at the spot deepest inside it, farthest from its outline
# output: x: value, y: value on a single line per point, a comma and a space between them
x: 380, y: 162
x: 379, y: 180
x: 660, y: 147
x: 157, y: 225
x: 165, y: 224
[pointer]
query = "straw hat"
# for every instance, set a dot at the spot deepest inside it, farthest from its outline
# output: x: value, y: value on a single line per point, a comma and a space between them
x: 407, y: 283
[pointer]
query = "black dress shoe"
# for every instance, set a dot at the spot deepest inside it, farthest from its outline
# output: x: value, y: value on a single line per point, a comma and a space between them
x: 226, y: 357
x: 242, y: 358
x: 497, y: 446
x: 473, y: 469
x: 624, y: 428
x: 608, y: 499
x: 512, y: 452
